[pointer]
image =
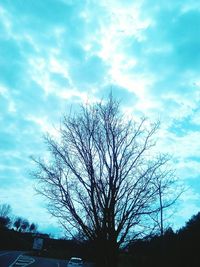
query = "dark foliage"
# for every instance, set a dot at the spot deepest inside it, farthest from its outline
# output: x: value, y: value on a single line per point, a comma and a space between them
x: 33, y: 227
x: 171, y: 249
x: 53, y: 248
x: 178, y: 249
x: 4, y: 222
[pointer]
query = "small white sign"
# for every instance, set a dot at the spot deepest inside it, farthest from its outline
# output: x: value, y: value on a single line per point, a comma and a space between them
x: 38, y: 243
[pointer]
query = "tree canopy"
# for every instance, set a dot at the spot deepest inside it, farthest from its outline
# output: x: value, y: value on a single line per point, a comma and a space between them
x: 101, y: 178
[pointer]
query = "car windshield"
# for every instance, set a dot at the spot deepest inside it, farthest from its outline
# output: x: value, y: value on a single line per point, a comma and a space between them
x: 76, y: 260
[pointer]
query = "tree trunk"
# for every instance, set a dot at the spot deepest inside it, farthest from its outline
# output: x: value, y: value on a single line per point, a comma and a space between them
x: 107, y: 254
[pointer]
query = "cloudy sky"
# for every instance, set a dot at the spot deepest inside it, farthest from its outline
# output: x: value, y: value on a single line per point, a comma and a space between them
x: 55, y: 54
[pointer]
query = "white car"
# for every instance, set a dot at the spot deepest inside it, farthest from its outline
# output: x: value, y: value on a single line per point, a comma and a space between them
x: 75, y: 262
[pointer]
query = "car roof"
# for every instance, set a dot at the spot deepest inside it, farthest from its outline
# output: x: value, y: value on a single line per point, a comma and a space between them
x: 75, y: 258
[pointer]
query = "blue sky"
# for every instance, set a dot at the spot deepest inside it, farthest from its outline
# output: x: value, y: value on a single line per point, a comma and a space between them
x: 55, y: 54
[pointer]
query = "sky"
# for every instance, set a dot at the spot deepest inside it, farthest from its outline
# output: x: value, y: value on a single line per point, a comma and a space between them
x: 57, y: 54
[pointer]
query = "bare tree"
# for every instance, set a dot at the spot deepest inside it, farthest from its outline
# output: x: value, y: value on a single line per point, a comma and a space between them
x: 169, y: 190
x: 100, y: 176
x: 5, y: 210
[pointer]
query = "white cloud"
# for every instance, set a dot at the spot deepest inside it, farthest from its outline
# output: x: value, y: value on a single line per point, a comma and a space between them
x: 188, y: 211
x: 186, y: 146
x: 53, y: 62
x: 3, y: 90
x: 25, y: 203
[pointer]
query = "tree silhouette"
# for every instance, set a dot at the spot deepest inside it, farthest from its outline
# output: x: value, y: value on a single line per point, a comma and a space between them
x: 33, y: 227
x: 25, y: 225
x: 4, y: 222
x: 193, y: 224
x: 17, y: 223
x: 5, y: 210
x: 100, y: 179
x: 166, y: 198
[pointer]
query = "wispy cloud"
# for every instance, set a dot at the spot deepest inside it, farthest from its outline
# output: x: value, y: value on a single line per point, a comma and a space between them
x: 58, y: 53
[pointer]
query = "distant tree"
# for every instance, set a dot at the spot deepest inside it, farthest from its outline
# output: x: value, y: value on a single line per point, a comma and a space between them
x: 165, y: 199
x: 194, y: 222
x: 4, y: 222
x: 17, y: 223
x: 192, y: 225
x: 33, y: 227
x: 101, y: 176
x: 169, y: 232
x: 25, y: 225
x: 5, y: 210
x: 188, y: 237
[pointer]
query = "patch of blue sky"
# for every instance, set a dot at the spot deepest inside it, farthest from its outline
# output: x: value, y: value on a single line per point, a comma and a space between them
x: 183, y: 127
x: 74, y: 51
x: 173, y: 45
x: 125, y: 97
x: 60, y: 79
x: 194, y: 183
x: 10, y: 63
x: 195, y: 158
x: 50, y: 11
x: 9, y: 178
x: 13, y: 160
x: 91, y: 71
x: 8, y: 141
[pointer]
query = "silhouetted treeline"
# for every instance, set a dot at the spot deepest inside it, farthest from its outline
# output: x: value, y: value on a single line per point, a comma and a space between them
x: 8, y: 221
x: 11, y: 239
x: 176, y: 249
x: 17, y: 233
